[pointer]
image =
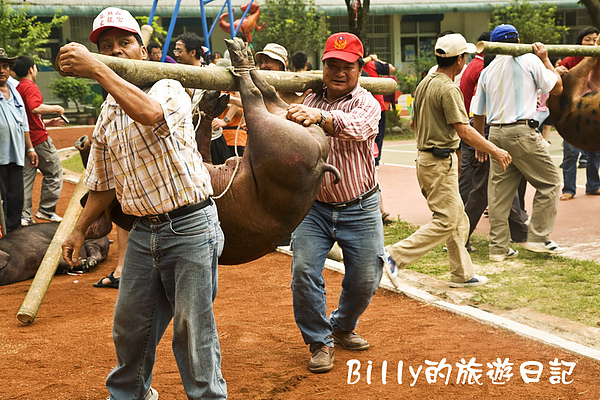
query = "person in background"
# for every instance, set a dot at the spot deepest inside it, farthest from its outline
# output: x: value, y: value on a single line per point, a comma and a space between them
x: 215, y: 56
x: 507, y: 94
x: 189, y: 51
x: 473, y: 178
x: 48, y: 160
x: 15, y: 143
x: 274, y: 57
x: 300, y: 62
x: 155, y: 54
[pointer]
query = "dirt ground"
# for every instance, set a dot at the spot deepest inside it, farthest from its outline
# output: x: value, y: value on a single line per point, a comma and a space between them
x: 67, y: 352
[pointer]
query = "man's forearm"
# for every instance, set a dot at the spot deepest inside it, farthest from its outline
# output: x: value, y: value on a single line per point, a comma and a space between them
x: 96, y: 203
x: 44, y: 109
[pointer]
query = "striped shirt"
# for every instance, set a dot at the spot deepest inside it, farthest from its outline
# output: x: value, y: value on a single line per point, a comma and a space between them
x: 507, y: 88
x: 355, y: 121
x: 153, y: 169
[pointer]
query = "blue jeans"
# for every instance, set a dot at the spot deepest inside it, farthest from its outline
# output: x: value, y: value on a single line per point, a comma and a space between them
x: 170, y: 272
x: 358, y: 229
x: 570, y: 156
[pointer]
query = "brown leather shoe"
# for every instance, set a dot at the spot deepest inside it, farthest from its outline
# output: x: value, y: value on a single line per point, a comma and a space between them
x: 594, y: 193
x: 350, y: 340
x: 322, y: 359
x: 566, y: 196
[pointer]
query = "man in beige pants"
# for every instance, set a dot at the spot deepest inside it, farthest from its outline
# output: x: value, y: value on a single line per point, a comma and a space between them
x: 440, y: 122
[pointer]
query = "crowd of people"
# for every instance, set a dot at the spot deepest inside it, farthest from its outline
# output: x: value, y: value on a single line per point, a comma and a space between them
x: 170, y: 195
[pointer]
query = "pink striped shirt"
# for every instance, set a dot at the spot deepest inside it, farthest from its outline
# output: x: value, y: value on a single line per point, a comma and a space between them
x: 355, y: 120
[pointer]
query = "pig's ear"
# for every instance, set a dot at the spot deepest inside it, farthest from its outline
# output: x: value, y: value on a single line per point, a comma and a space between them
x: 4, y: 259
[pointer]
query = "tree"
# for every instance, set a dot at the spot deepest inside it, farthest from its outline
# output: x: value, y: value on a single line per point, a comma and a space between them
x: 358, y: 18
x: 593, y: 7
x: 534, y: 23
x: 294, y: 24
x: 20, y: 34
x: 70, y: 88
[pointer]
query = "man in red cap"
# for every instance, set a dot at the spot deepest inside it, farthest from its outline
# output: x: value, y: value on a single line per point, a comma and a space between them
x: 144, y: 151
x: 348, y: 212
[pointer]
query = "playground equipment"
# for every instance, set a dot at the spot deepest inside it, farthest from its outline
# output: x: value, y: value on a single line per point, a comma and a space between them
x: 234, y: 26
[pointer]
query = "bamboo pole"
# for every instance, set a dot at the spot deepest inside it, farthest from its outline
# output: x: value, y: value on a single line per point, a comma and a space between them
x: 144, y: 73
x: 29, y: 309
x: 513, y: 49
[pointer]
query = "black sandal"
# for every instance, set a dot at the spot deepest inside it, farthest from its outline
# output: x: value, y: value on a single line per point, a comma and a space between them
x: 114, y: 282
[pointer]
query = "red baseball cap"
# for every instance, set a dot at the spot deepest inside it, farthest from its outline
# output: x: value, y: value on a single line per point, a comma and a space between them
x: 343, y: 45
x: 113, y: 17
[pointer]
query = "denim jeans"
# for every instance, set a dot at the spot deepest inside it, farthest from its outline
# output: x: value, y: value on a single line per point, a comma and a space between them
x: 570, y: 156
x: 170, y: 272
x: 358, y: 229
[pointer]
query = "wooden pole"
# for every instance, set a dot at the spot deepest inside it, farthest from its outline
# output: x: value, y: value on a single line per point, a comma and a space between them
x: 145, y: 73
x: 29, y: 309
x: 513, y: 49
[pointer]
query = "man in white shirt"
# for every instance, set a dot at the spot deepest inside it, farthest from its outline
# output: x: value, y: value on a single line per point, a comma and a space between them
x: 507, y: 93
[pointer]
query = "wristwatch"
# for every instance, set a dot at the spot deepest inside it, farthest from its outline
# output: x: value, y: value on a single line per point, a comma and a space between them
x: 324, y: 116
x: 227, y: 120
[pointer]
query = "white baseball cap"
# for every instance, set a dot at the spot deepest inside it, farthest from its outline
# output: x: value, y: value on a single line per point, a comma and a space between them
x: 453, y: 45
x: 113, y: 17
x: 274, y: 51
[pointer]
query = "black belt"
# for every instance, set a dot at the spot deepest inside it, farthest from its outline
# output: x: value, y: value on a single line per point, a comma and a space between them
x: 351, y: 202
x: 178, y: 212
x: 430, y: 150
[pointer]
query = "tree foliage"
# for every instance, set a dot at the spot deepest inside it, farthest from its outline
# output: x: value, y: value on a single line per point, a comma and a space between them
x: 294, y: 24
x: 70, y: 88
x: 534, y: 23
x: 158, y: 32
x: 20, y: 34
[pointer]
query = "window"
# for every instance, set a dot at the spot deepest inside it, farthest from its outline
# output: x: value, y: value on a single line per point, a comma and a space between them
x: 418, y: 35
x: 378, y: 34
x: 576, y: 20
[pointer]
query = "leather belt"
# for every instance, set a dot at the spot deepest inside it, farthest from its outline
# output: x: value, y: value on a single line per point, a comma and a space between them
x: 518, y: 122
x: 178, y: 212
x: 351, y: 202
x: 430, y: 150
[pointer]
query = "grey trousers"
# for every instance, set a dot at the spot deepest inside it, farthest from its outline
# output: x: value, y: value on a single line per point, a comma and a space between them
x: 51, y: 169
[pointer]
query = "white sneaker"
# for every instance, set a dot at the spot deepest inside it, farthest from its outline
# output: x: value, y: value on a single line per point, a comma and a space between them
x: 510, y: 253
x: 53, y: 218
x: 476, y: 280
x: 27, y: 221
x: 391, y: 269
x: 151, y: 394
x: 549, y: 247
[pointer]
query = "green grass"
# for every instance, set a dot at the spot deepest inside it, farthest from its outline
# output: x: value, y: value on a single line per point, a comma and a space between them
x: 551, y: 285
x: 73, y: 164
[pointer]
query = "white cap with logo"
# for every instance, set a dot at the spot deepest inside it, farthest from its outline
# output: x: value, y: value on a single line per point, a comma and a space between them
x: 453, y: 45
x: 113, y: 17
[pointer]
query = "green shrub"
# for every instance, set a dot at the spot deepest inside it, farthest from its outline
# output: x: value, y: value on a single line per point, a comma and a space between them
x: 70, y: 88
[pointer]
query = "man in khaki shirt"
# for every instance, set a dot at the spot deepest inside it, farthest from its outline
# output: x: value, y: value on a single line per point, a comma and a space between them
x: 440, y: 122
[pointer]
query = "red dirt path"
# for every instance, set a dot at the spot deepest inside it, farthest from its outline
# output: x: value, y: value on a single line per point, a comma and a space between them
x: 67, y: 352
